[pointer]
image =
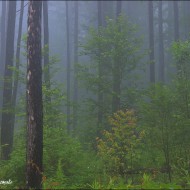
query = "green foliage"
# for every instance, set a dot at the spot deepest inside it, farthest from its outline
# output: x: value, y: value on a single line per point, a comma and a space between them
x: 182, y: 85
x: 118, y: 148
x: 117, y: 43
x: 148, y: 183
x: 181, y: 51
x: 181, y: 54
x: 158, y: 116
x: 114, y: 43
x: 14, y: 169
x: 66, y: 164
x: 165, y: 115
x: 64, y: 155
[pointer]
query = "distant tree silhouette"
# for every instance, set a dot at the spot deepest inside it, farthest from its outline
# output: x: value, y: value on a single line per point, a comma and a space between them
x: 6, y: 122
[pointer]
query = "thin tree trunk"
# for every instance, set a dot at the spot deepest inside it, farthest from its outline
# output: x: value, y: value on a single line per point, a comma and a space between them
x: 34, y: 98
x: 107, y: 11
x: 3, y: 34
x: 186, y: 7
x: 161, y: 45
x: 46, y: 46
x: 100, y: 73
x: 75, y: 97
x: 15, y: 85
x: 176, y: 28
x: 68, y: 70
x: 116, y: 73
x: 3, y: 31
x: 169, y: 69
x: 129, y: 8
x: 151, y: 41
x: 6, y: 127
x: 176, y: 21
x: 102, y: 13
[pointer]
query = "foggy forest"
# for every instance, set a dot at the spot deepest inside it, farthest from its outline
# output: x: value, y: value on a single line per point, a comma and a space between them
x: 94, y: 94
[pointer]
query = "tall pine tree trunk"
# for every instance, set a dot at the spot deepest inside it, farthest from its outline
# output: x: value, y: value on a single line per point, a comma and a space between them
x: 15, y: 85
x: 161, y: 45
x: 186, y: 7
x: 2, y: 54
x: 107, y: 11
x: 34, y: 98
x: 75, y: 96
x: 176, y: 31
x: 68, y: 70
x: 176, y: 28
x: 176, y: 21
x: 46, y: 47
x: 100, y: 73
x: 170, y: 31
x: 151, y: 41
x: 6, y: 124
x: 116, y: 73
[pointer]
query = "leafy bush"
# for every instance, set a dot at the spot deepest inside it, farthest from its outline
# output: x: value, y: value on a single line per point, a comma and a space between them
x: 118, y: 147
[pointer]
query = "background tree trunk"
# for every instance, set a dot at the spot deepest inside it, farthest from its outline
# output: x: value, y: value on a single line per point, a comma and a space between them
x: 100, y: 73
x: 15, y: 85
x: 176, y: 28
x: 107, y: 11
x: 151, y: 41
x: 46, y: 47
x: 170, y: 32
x: 68, y: 70
x: 161, y: 44
x: 34, y: 98
x: 3, y: 34
x: 116, y: 73
x: 176, y: 21
x: 186, y: 15
x: 75, y: 96
x: 6, y: 124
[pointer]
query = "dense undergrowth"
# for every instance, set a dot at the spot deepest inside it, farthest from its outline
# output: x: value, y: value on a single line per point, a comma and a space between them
x: 131, y: 155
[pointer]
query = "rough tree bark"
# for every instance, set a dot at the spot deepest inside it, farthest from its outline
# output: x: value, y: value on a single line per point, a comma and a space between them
x: 6, y: 127
x: 34, y: 98
x: 151, y: 41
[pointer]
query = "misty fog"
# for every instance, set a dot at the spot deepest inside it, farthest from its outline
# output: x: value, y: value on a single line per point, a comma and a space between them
x: 94, y: 94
